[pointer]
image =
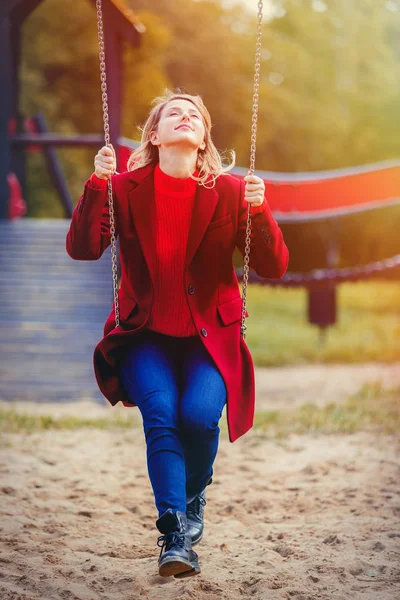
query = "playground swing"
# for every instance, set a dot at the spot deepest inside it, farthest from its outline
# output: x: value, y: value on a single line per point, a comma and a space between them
x: 103, y: 79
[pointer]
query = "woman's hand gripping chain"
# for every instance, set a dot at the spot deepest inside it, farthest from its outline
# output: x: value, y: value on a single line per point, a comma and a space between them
x: 255, y: 190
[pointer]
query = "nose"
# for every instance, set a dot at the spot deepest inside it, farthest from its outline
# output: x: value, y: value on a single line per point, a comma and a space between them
x: 185, y: 120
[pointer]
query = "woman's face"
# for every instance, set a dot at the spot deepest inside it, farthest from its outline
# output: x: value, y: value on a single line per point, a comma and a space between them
x: 180, y: 124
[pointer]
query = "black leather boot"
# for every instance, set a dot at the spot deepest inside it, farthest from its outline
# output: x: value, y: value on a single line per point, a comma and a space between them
x: 195, y: 515
x: 178, y: 559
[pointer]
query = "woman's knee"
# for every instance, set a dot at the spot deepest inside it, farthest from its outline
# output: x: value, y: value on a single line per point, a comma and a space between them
x: 202, y: 403
x: 199, y: 420
x: 160, y: 410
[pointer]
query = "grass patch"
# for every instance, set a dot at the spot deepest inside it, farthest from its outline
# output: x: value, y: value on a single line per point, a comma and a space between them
x: 12, y: 421
x: 371, y: 409
x: 367, y: 328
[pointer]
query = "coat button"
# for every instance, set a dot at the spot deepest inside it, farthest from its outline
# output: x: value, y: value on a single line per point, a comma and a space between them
x: 203, y: 332
x: 191, y: 289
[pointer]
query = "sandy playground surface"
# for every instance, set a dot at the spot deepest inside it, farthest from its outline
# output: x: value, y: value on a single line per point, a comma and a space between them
x: 307, y: 518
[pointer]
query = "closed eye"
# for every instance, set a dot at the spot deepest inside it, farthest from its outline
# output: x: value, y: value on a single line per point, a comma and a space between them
x: 192, y: 114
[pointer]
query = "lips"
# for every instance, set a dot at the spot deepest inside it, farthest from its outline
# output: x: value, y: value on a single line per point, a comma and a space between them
x: 188, y: 126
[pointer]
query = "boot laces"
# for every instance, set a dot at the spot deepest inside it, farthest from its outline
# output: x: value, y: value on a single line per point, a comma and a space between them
x: 173, y: 538
x: 193, y: 507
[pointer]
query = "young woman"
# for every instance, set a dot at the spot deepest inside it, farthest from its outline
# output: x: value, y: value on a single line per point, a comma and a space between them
x: 177, y: 353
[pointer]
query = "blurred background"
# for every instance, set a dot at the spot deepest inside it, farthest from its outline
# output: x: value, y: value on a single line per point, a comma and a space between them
x: 328, y: 148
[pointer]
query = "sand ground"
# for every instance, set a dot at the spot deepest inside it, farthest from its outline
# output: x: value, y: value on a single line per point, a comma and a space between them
x: 310, y: 517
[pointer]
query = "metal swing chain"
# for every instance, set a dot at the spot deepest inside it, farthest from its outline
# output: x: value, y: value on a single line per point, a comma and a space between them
x: 250, y: 172
x: 252, y: 164
x: 102, y: 56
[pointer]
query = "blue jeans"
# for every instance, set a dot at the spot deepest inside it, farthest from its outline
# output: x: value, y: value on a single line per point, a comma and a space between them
x: 181, y: 395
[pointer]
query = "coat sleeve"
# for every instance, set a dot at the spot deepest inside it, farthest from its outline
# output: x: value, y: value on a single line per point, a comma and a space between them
x: 269, y: 255
x: 89, y: 232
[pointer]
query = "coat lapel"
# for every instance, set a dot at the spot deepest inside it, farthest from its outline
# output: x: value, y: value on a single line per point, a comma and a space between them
x: 143, y: 211
x: 205, y: 203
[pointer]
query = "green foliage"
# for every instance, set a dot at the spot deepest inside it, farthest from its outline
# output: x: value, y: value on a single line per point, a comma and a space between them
x: 337, y: 101
x: 146, y: 74
x: 367, y: 328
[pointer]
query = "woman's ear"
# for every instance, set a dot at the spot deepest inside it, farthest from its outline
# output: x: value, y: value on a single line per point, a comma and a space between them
x: 153, y: 138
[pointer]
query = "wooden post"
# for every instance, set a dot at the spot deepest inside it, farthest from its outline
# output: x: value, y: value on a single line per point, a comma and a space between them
x: 5, y: 113
x: 17, y: 153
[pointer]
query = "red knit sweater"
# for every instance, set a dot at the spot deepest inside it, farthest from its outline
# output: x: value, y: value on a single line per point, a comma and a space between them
x: 174, y: 200
x: 174, y: 205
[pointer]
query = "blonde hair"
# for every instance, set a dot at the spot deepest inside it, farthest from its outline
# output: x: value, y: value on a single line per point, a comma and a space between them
x: 209, y: 160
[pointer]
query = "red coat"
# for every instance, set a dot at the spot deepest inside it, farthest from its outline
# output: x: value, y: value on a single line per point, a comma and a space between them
x: 218, y: 225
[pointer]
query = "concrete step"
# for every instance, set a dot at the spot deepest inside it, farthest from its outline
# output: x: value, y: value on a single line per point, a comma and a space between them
x: 45, y: 329
x: 52, y: 299
x: 27, y: 223
x: 50, y: 284
x: 47, y: 298
x: 51, y: 255
x: 72, y: 350
x: 63, y: 272
x: 55, y: 320
x: 53, y: 280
